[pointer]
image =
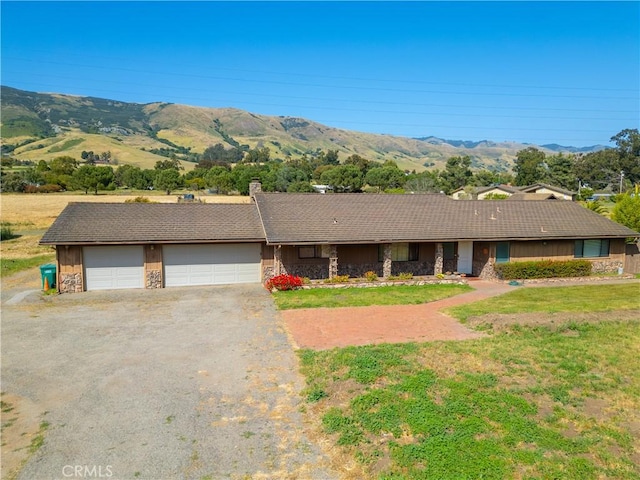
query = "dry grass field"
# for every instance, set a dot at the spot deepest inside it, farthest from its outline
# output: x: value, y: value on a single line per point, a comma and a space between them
x: 31, y: 214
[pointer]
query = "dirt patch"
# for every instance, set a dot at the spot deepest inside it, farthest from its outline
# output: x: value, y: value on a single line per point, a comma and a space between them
x: 20, y: 425
x: 499, y: 322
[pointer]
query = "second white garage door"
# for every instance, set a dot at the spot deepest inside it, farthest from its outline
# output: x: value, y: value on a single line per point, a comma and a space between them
x: 211, y: 264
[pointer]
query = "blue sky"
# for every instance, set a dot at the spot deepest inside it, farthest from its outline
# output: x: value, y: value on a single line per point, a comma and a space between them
x: 536, y: 72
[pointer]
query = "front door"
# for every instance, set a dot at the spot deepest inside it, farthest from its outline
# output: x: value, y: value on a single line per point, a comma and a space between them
x: 465, y: 257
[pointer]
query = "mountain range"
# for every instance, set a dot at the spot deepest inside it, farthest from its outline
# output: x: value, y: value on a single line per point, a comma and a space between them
x: 41, y: 126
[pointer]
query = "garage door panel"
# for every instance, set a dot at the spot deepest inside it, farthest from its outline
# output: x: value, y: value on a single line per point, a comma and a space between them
x: 211, y: 264
x: 113, y: 267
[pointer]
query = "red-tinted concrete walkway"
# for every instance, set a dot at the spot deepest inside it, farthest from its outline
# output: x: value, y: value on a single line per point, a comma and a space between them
x: 324, y: 328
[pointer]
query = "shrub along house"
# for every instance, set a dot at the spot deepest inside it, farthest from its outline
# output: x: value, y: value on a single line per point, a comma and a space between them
x: 319, y: 236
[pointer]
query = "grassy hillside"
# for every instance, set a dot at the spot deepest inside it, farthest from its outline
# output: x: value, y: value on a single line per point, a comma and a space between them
x: 74, y: 141
x: 41, y: 126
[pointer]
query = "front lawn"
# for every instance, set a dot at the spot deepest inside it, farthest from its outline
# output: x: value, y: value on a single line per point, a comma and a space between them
x: 361, y: 297
x: 530, y: 402
x: 580, y: 298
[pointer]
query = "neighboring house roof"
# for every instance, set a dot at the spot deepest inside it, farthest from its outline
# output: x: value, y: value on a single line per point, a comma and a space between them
x: 532, y: 196
x: 480, y: 190
x: 539, y: 186
x: 366, y: 218
x: 106, y: 223
x: 308, y: 218
x: 504, y: 188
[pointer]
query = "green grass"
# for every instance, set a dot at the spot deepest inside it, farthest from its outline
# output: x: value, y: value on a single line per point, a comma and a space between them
x: 360, y: 297
x: 9, y: 266
x: 66, y: 145
x: 593, y: 298
x: 532, y: 402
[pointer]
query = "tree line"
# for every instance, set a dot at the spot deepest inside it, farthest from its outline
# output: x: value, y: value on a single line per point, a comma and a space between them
x: 227, y: 170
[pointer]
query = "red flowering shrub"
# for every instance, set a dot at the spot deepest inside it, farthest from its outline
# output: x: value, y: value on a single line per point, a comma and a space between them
x: 284, y: 282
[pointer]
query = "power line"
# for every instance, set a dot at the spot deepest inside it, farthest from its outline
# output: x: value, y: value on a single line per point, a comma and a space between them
x: 344, y: 100
x: 308, y: 85
x: 369, y: 79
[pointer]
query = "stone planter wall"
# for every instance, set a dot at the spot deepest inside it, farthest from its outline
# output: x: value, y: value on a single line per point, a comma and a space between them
x: 387, y: 283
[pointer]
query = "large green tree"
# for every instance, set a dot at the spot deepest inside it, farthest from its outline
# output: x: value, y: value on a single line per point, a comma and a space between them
x: 529, y: 166
x: 560, y: 171
x: 362, y: 163
x: 596, y: 169
x: 428, y: 181
x: 627, y: 212
x: 90, y: 177
x: 628, y: 149
x: 64, y: 165
x: 343, y: 178
x: 457, y: 173
x: 220, y: 179
x: 167, y: 180
x: 385, y: 177
x: 169, y: 164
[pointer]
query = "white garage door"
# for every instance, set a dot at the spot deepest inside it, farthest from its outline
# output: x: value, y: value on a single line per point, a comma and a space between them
x: 211, y: 264
x: 113, y: 267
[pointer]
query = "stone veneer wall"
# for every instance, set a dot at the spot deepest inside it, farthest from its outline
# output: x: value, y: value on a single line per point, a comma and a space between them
x: 267, y: 274
x: 417, y: 268
x: 355, y: 270
x: 606, y: 266
x: 449, y: 265
x: 484, y: 269
x: 314, y: 272
x: 70, y: 283
x: 154, y: 279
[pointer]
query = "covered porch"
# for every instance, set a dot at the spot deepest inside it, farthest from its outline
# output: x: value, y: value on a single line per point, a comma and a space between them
x: 321, y: 261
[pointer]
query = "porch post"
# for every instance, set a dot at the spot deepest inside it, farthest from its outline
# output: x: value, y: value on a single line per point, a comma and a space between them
x: 333, y: 261
x: 277, y: 260
x: 386, y: 261
x: 437, y: 269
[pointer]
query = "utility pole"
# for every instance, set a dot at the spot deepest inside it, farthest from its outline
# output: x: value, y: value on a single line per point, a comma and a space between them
x: 621, y: 179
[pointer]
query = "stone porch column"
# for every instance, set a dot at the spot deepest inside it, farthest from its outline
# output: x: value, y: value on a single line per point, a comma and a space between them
x: 386, y: 261
x: 277, y: 260
x: 333, y: 261
x: 437, y: 269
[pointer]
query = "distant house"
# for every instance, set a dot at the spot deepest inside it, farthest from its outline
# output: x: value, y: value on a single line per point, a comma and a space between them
x: 137, y: 245
x: 480, y: 193
x: 559, y: 193
x: 538, y: 191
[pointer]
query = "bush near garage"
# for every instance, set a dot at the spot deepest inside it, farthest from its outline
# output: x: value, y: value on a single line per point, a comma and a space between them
x: 543, y: 269
x: 284, y: 282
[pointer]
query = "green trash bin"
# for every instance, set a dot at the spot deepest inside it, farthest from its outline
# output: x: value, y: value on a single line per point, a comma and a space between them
x: 48, y: 272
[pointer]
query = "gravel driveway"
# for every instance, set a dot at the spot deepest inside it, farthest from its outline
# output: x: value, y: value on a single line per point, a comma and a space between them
x: 193, y: 383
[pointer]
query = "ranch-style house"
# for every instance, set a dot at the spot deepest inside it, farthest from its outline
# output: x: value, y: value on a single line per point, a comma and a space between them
x: 145, y: 245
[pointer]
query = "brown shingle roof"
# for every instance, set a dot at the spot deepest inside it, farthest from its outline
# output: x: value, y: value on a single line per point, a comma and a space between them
x: 333, y: 218
x: 85, y: 223
x: 362, y: 218
x: 540, y: 186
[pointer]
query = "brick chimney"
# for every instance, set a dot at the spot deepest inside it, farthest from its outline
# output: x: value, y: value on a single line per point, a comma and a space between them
x: 254, y: 187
